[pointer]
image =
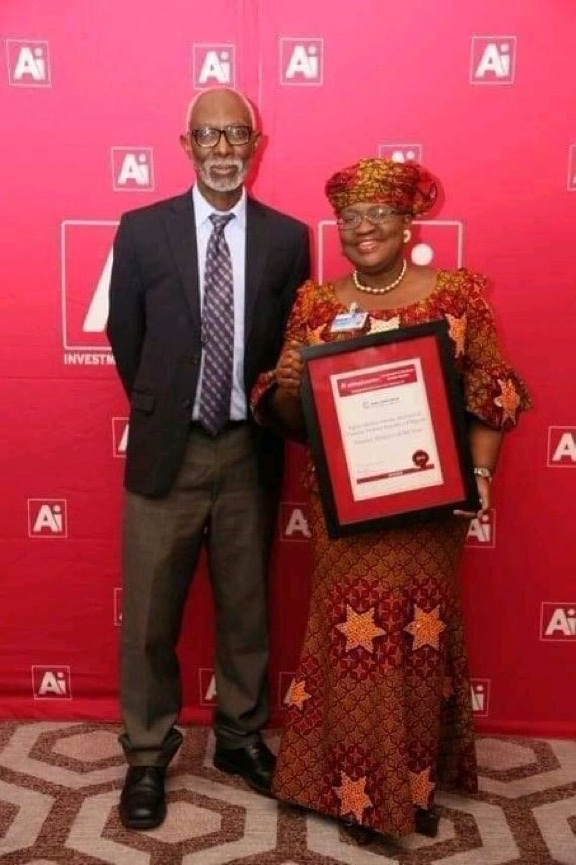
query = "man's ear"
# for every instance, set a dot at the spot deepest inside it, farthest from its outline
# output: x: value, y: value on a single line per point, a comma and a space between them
x: 185, y: 145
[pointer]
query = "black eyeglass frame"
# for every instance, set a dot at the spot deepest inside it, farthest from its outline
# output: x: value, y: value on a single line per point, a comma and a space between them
x: 225, y: 131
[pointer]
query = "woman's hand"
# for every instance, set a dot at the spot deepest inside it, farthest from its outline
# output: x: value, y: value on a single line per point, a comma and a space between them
x: 290, y: 369
x: 485, y: 496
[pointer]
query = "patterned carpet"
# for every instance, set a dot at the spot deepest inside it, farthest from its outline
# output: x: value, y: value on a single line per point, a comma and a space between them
x: 59, y: 787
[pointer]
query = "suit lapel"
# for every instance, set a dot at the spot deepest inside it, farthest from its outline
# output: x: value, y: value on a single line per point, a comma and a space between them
x: 257, y: 249
x: 181, y: 227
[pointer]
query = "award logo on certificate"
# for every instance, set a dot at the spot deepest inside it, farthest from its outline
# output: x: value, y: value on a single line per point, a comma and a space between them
x: 387, y: 428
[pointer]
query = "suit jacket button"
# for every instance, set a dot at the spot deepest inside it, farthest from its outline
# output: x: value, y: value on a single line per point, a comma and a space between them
x: 186, y: 404
x: 195, y: 359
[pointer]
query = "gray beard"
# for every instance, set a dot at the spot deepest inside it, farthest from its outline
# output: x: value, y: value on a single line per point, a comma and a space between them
x: 222, y: 184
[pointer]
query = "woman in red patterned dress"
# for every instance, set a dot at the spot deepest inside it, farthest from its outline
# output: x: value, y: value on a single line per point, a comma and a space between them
x: 379, y: 711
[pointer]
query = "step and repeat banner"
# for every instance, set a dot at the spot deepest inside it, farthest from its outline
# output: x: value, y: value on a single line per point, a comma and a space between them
x: 93, y: 97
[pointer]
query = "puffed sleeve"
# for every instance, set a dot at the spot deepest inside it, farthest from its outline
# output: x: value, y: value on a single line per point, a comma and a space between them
x: 296, y: 332
x: 493, y: 390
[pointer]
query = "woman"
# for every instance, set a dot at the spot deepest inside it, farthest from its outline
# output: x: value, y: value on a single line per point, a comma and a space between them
x: 379, y: 712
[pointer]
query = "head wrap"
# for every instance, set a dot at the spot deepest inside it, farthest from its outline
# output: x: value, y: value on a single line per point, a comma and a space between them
x: 405, y: 186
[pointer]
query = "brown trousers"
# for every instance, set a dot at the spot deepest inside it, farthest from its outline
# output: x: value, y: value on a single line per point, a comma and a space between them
x: 216, y: 501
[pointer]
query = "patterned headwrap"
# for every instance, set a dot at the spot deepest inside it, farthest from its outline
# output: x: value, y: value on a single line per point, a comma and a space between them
x: 405, y: 186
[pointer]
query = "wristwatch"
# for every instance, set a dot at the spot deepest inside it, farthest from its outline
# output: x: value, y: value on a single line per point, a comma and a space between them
x: 483, y: 472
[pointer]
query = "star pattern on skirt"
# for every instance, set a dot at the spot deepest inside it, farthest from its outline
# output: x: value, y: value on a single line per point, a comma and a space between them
x: 457, y: 331
x: 421, y: 787
x: 297, y: 695
x: 426, y: 628
x: 360, y: 629
x: 353, y: 797
x: 508, y: 400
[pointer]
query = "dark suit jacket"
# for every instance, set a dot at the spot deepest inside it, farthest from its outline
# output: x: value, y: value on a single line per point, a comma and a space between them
x: 154, y: 327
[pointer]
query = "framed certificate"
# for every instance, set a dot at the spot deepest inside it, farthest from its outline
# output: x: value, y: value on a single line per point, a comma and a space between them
x: 387, y: 428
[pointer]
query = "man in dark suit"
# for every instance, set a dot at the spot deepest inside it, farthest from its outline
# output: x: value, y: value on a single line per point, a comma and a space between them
x: 201, y: 288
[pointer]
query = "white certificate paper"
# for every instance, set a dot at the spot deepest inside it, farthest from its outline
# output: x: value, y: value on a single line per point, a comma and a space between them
x: 386, y: 429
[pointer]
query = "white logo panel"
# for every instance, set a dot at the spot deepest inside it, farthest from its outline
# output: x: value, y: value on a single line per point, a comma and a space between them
x: 47, y: 518
x: 132, y: 169
x: 86, y: 249
x: 572, y: 168
x: 207, y: 687
x: 213, y: 66
x: 557, y: 621
x: 301, y: 61
x: 561, y: 447
x: 120, y: 430
x: 480, y: 697
x: 400, y: 152
x: 482, y: 531
x: 293, y: 522
x: 28, y: 63
x: 117, y: 602
x: 51, y: 683
x: 492, y: 59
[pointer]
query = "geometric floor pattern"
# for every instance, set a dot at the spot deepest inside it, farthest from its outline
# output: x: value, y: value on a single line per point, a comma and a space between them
x: 59, y: 788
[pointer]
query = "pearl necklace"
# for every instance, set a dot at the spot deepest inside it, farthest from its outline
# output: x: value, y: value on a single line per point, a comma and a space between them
x: 385, y: 288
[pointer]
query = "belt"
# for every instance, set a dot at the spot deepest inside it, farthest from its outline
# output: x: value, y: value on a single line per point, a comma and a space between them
x: 196, y: 426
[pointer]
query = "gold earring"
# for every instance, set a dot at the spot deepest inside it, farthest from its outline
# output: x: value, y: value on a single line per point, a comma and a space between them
x: 407, y: 235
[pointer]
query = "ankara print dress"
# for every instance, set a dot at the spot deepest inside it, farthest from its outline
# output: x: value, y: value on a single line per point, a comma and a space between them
x: 379, y: 711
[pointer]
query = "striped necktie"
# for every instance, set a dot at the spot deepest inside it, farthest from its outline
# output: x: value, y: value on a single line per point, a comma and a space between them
x: 217, y: 329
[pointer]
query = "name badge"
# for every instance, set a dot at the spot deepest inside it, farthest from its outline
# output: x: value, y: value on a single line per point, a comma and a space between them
x: 345, y: 321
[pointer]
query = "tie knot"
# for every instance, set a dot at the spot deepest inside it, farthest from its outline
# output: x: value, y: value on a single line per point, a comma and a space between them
x: 220, y: 221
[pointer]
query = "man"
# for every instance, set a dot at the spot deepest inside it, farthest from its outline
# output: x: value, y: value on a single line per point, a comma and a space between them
x: 201, y: 288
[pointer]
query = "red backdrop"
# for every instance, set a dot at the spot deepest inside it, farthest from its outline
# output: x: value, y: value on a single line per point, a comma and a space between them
x: 93, y: 98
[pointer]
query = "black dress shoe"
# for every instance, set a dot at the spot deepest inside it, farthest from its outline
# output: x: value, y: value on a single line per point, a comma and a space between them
x: 362, y: 835
x: 143, y: 802
x: 427, y: 821
x: 254, y: 763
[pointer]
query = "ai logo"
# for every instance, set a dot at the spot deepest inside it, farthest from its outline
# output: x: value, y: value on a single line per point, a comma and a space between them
x: 47, y: 518
x: 119, y: 436
x: 492, y: 59
x: 294, y: 522
x: 480, y: 696
x: 557, y: 621
x: 212, y: 66
x: 561, y: 447
x: 132, y: 169
x: 301, y: 61
x: 572, y: 168
x: 401, y: 152
x: 207, y: 683
x: 28, y: 63
x: 436, y: 242
x: 285, y: 685
x: 86, y: 249
x: 51, y: 683
x: 117, y: 606
x: 482, y: 531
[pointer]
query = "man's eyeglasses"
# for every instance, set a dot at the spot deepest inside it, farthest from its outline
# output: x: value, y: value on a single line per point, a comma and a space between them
x: 377, y: 215
x: 209, y: 136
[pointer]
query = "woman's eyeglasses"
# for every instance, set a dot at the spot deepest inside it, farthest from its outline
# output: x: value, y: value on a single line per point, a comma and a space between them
x: 377, y: 215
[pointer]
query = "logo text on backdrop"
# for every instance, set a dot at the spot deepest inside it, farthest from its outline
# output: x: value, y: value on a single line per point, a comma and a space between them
x: 492, y: 59
x: 132, y: 169
x: 28, y: 63
x: 213, y: 66
x: 47, y: 518
x: 301, y: 61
